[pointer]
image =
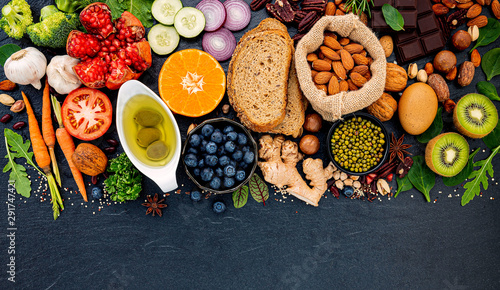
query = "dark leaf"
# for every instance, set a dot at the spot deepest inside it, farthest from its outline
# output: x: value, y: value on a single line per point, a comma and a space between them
x: 488, y: 34
x: 240, y: 196
x: 488, y: 89
x: 434, y: 130
x: 258, y: 189
x: 404, y: 184
x: 491, y: 63
x: 392, y: 17
x: 6, y: 51
x: 464, y: 174
x: 422, y: 177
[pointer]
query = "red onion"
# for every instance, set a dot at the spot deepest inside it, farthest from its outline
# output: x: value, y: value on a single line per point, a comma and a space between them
x: 215, y: 14
x: 220, y: 44
x: 237, y: 14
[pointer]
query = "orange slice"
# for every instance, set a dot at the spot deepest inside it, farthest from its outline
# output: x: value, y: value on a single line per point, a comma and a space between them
x: 192, y: 83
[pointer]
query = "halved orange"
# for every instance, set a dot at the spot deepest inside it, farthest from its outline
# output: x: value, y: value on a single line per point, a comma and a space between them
x: 192, y: 83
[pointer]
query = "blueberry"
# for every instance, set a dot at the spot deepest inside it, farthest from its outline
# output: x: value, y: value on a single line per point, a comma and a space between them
x: 249, y: 157
x: 195, y: 140
x: 229, y: 170
x: 207, y: 130
x: 191, y: 160
x: 242, y: 139
x: 96, y: 192
x: 217, y: 130
x: 230, y: 146
x: 228, y: 182
x: 192, y: 150
x: 211, y: 148
x: 348, y: 191
x: 233, y: 163
x: 245, y: 149
x: 195, y: 195
x: 238, y: 155
x: 228, y: 129
x: 224, y: 160
x: 203, y: 145
x: 221, y: 151
x: 215, y: 183
x: 196, y: 172
x: 201, y: 163
x: 206, y: 174
x: 219, y: 207
x: 232, y: 136
x: 219, y: 172
x: 211, y: 160
x: 240, y: 175
x: 243, y: 165
x: 217, y: 137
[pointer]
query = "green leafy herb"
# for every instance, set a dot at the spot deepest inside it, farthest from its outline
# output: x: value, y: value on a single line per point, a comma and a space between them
x: 125, y: 183
x: 258, y: 189
x: 359, y: 6
x: 434, y: 130
x: 392, y: 17
x: 488, y: 89
x: 422, y: 177
x: 491, y: 63
x: 6, y: 51
x: 479, y: 177
x: 464, y: 174
x: 492, y: 140
x: 140, y: 9
x: 404, y: 184
x: 240, y: 196
x: 488, y: 34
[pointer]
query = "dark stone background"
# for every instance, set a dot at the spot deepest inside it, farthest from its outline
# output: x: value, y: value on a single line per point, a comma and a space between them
x: 390, y: 243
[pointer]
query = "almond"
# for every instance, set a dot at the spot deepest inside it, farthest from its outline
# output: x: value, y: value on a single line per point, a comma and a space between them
x: 332, y: 43
x: 328, y: 52
x: 321, y: 65
x: 495, y: 7
x: 337, y: 2
x: 358, y: 79
x: 354, y: 48
x: 474, y: 11
x: 312, y: 57
x: 362, y: 70
x: 343, y: 86
x: 452, y: 74
x: 480, y: 21
x: 465, y: 5
x: 344, y: 41
x: 429, y: 68
x: 339, y: 69
x: 323, y: 77
x: 333, y: 85
x: 342, y: 7
x: 440, y: 9
x: 360, y: 59
x: 449, y: 3
x: 458, y: 1
x: 481, y: 2
x: 321, y: 55
x: 330, y: 9
x: 313, y: 73
x: 7, y: 85
x: 322, y: 88
x: 330, y: 34
x: 339, y: 12
x: 351, y: 85
x: 475, y: 58
x: 347, y: 60
x: 466, y: 73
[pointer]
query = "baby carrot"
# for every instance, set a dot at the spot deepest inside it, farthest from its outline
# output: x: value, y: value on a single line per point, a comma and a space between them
x: 48, y: 130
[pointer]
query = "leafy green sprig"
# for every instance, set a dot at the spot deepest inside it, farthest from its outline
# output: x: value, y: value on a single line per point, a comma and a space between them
x: 359, y: 6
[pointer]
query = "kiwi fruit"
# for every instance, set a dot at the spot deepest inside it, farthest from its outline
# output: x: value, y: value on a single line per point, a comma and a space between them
x: 447, y: 154
x: 475, y: 116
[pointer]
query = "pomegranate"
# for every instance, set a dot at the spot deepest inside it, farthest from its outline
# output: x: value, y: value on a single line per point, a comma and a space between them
x: 111, y: 53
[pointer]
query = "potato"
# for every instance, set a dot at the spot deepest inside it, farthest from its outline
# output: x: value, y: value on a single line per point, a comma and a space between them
x: 417, y: 108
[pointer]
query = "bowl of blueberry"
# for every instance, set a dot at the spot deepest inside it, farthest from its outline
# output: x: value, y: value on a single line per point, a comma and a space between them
x: 219, y: 155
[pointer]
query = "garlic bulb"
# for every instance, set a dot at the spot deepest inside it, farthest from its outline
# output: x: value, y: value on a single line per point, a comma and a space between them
x: 60, y: 74
x: 26, y: 66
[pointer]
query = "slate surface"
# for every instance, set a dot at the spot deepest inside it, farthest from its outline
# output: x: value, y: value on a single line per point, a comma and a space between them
x: 396, y: 243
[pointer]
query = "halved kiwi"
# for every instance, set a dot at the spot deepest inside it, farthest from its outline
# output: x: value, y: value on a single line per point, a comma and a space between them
x: 447, y: 154
x: 475, y: 116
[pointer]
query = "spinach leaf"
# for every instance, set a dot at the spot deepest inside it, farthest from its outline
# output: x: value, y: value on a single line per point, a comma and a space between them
x: 479, y: 177
x: 6, y: 51
x: 491, y: 63
x: 422, y: 177
x: 392, y: 17
x: 140, y: 9
x: 488, y: 34
x: 492, y: 140
x: 464, y: 174
x: 404, y: 184
x: 240, y: 196
x: 434, y: 130
x: 488, y: 89
x: 258, y: 189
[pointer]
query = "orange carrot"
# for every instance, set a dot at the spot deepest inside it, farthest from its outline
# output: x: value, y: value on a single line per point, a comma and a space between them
x: 48, y: 130
x: 68, y: 147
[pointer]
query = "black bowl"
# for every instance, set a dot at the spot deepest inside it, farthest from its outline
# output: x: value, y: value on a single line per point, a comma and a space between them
x: 221, y: 123
x: 366, y: 117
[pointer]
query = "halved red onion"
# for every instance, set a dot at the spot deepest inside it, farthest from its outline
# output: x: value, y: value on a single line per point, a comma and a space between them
x: 220, y: 44
x: 237, y: 14
x: 215, y: 14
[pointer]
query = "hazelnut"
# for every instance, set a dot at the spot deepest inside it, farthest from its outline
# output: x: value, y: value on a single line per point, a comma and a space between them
x: 444, y: 61
x: 461, y: 40
x: 309, y: 144
x: 313, y: 123
x: 18, y: 106
x: 422, y: 76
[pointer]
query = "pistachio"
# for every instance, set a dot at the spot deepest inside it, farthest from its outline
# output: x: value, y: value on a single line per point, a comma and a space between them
x: 412, y: 70
x: 18, y: 106
x: 191, y: 127
x: 474, y: 32
x: 422, y: 76
x: 7, y: 100
x: 383, y: 187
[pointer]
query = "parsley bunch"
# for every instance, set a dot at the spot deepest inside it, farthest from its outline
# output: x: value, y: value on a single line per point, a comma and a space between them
x: 125, y: 183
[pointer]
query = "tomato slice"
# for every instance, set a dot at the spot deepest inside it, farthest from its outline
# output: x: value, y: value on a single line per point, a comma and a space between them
x: 87, y: 113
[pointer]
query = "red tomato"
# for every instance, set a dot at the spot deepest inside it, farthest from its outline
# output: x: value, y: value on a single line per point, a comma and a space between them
x: 87, y: 113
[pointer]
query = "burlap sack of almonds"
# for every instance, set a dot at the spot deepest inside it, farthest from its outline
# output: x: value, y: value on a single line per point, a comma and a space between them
x: 332, y: 107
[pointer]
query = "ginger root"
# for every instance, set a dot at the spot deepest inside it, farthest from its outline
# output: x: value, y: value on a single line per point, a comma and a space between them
x: 280, y: 169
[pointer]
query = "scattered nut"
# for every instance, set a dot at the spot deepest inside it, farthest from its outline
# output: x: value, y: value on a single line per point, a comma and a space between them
x: 191, y: 127
x: 7, y: 100
x: 473, y: 32
x: 412, y: 70
x: 439, y: 85
x: 387, y: 45
x: 336, y: 175
x: 225, y: 109
x: 422, y: 76
x: 339, y: 184
x: 429, y: 68
x: 313, y: 122
x: 383, y: 187
x: 444, y: 61
x: 7, y: 85
x: 461, y: 40
x: 18, y: 106
x: 475, y: 58
x: 466, y: 73
x: 356, y: 184
x: 343, y: 176
x: 452, y: 74
x: 309, y: 144
x: 348, y: 182
x: 354, y: 177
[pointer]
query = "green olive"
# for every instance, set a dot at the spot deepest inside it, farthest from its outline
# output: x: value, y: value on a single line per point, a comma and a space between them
x: 148, y: 118
x: 146, y: 136
x: 157, y: 150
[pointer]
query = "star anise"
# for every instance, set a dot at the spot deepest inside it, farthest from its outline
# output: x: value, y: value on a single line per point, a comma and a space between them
x: 397, y: 148
x: 154, y: 205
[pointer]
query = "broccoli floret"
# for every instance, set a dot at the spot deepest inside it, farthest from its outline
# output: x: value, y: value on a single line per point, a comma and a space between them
x: 71, y: 6
x: 53, y: 30
x: 47, y: 11
x: 16, y: 18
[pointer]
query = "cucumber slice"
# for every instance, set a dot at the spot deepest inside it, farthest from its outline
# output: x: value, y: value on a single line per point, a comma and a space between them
x: 189, y: 22
x: 164, y: 10
x: 163, y: 39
